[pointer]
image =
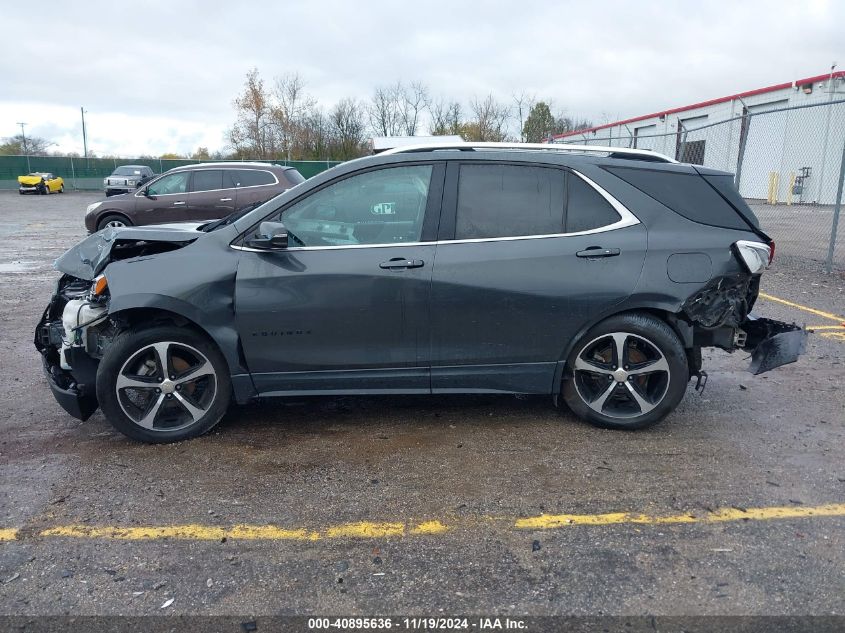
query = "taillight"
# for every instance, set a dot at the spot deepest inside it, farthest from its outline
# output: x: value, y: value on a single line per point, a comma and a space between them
x: 755, y: 255
x: 771, y: 251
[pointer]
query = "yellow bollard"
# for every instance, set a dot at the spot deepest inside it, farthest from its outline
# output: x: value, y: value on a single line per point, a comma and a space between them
x: 791, y: 188
x: 774, y: 181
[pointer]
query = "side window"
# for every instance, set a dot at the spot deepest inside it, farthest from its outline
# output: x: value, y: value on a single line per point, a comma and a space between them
x: 172, y: 183
x: 386, y: 206
x: 248, y: 178
x: 509, y: 201
x: 207, y: 180
x: 586, y: 209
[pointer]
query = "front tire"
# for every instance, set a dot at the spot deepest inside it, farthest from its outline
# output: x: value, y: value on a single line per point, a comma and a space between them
x: 114, y: 221
x: 628, y: 372
x: 163, y: 384
x: 44, y: 189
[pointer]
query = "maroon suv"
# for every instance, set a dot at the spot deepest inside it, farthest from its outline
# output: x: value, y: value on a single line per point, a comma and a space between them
x: 206, y: 191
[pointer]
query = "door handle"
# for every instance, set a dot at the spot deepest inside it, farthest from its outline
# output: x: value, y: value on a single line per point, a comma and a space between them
x: 400, y: 262
x: 598, y: 251
x: 225, y: 199
x: 178, y: 204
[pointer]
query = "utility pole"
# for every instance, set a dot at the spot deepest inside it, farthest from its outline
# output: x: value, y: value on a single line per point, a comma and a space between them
x: 25, y: 148
x: 830, y: 86
x: 84, y: 135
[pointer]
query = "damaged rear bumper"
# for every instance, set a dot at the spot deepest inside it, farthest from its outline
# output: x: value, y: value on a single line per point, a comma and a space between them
x: 772, y: 343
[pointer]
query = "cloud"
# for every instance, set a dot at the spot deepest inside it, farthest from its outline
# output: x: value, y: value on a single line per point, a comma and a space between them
x: 161, y: 76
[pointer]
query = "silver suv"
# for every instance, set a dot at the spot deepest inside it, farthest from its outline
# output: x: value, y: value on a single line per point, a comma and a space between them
x: 126, y: 178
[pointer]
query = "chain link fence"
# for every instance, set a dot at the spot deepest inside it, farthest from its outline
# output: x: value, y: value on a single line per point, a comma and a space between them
x: 88, y: 173
x: 789, y: 164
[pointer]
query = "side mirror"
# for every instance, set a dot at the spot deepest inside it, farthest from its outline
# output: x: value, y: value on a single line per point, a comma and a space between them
x: 143, y: 191
x: 272, y: 236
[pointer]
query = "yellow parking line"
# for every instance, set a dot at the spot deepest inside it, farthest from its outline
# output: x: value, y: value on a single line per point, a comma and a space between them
x: 363, y: 529
x: 551, y: 521
x: 826, y: 315
x: 372, y: 530
x: 8, y: 534
x: 825, y: 327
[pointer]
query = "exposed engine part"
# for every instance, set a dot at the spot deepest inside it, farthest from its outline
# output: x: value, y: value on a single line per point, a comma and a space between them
x: 78, y: 315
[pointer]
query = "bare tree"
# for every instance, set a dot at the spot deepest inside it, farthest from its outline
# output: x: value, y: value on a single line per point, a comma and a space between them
x: 253, y: 132
x: 20, y: 145
x: 524, y: 104
x: 413, y: 100
x: 348, y: 129
x: 446, y: 117
x: 315, y: 136
x: 384, y: 110
x: 290, y: 109
x: 490, y: 120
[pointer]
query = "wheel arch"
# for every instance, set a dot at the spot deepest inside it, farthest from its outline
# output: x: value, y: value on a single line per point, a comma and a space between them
x: 137, y: 309
x: 108, y: 212
x: 669, y: 313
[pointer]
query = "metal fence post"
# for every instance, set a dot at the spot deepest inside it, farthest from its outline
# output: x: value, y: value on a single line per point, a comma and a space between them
x: 72, y: 172
x: 744, y: 127
x: 834, y: 227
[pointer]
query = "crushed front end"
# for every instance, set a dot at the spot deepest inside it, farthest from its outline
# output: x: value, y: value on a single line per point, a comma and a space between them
x: 70, y: 337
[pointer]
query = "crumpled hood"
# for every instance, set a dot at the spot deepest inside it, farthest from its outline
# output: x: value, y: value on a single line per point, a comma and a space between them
x: 29, y: 180
x: 88, y: 258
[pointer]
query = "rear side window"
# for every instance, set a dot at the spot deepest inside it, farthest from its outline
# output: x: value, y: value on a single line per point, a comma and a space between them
x: 688, y: 195
x: 515, y: 200
x: 586, y: 209
x: 207, y: 180
x: 249, y: 178
x: 724, y: 184
x: 509, y: 200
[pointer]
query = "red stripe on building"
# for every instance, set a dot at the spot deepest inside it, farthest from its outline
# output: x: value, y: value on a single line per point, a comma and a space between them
x: 750, y: 93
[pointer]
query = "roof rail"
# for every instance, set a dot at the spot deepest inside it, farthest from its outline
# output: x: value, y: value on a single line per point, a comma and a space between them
x: 469, y: 146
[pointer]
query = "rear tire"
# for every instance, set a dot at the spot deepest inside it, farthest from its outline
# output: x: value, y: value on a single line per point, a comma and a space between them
x: 62, y: 188
x: 163, y: 384
x: 113, y: 220
x: 635, y: 392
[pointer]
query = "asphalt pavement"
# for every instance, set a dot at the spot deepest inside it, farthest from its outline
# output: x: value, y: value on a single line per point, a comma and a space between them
x: 734, y: 505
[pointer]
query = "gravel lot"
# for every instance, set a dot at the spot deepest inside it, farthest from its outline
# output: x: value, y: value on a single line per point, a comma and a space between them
x: 473, y: 464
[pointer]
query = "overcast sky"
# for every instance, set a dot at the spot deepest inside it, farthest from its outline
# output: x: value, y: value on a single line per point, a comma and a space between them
x: 159, y: 77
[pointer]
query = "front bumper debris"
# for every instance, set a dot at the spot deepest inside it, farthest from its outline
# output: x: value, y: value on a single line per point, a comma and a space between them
x: 74, y: 389
x: 772, y: 343
x: 77, y: 403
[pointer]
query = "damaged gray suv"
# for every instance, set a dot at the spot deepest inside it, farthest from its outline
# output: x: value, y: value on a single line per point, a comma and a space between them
x: 595, y: 275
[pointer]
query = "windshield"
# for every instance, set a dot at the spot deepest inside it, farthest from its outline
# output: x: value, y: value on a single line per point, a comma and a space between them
x: 127, y: 171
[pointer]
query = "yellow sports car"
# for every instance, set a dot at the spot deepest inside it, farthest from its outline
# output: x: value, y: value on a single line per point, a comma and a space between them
x: 40, y: 182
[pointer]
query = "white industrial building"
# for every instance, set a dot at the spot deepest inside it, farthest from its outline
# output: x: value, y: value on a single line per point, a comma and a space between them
x: 793, y: 153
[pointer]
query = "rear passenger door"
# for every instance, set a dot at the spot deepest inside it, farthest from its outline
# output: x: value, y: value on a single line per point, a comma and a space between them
x: 252, y: 186
x: 527, y: 255
x: 209, y: 199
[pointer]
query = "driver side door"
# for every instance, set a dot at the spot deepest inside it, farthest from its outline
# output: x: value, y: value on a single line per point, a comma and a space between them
x: 166, y: 200
x: 344, y: 308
